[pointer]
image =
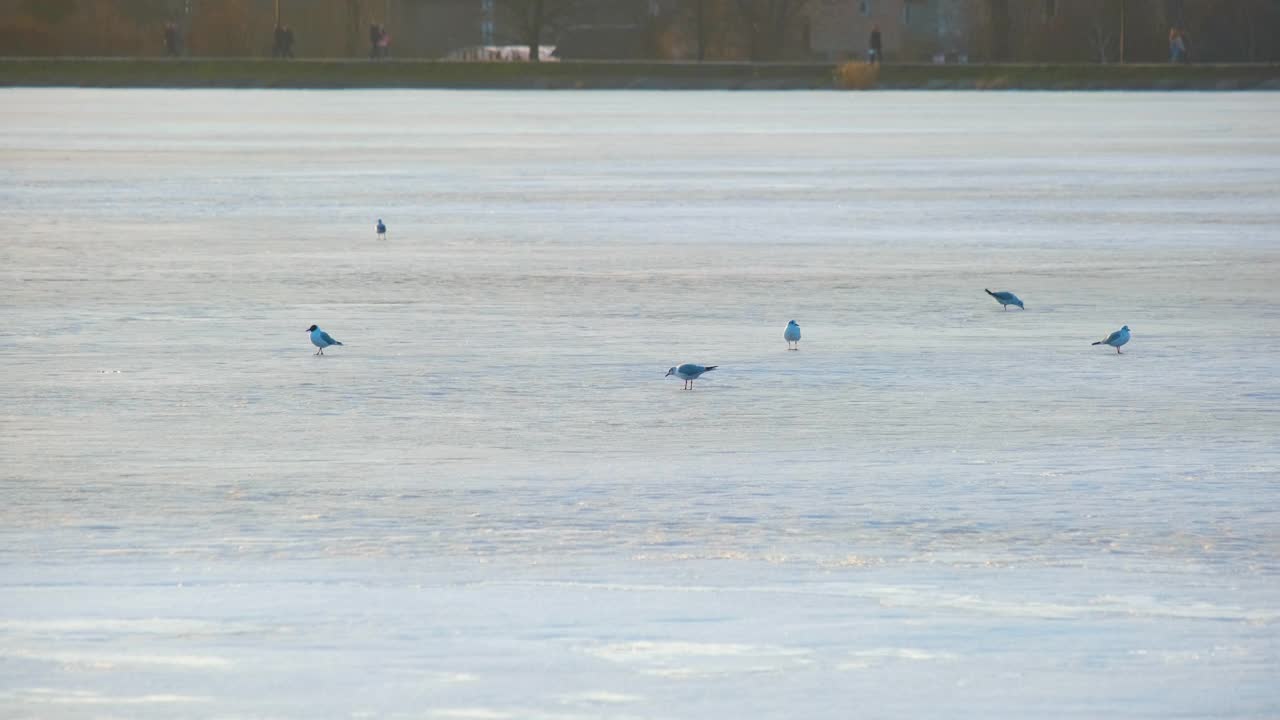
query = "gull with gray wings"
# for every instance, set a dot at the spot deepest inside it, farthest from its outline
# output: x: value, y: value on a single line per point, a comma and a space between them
x: 321, y: 339
x: 1116, y: 339
x: 792, y: 335
x: 690, y: 372
x: 1006, y: 298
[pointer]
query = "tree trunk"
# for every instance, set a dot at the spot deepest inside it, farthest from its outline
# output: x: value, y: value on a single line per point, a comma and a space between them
x: 535, y: 31
x: 1121, y: 32
x: 354, y: 29
x: 1251, y: 29
x: 777, y: 28
x: 998, y: 16
x: 747, y: 13
x: 700, y: 19
x: 190, y: 10
x: 1101, y: 38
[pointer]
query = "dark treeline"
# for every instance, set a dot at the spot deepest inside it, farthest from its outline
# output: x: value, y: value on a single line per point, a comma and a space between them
x: 980, y: 30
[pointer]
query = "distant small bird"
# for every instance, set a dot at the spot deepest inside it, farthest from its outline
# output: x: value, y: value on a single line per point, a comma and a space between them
x: 382, y: 230
x: 689, y: 372
x: 1116, y: 339
x: 321, y: 339
x: 792, y: 335
x: 1005, y: 299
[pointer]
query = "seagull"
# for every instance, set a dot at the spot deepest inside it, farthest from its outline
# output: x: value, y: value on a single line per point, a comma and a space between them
x: 1006, y: 298
x: 792, y: 335
x: 321, y: 339
x: 382, y: 230
x: 689, y: 372
x: 1116, y: 339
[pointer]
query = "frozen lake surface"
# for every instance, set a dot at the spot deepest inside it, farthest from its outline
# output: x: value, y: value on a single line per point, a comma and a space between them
x: 490, y: 503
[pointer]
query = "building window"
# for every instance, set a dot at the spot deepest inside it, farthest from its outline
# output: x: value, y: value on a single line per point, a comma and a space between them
x: 1050, y: 9
x: 864, y: 7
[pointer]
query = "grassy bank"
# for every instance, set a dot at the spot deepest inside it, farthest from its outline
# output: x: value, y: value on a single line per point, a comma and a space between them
x: 251, y: 73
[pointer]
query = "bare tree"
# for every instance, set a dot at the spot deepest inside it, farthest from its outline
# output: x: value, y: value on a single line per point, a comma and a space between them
x: 700, y: 27
x: 707, y: 21
x: 1258, y: 19
x: 532, y: 20
x: 999, y: 21
x: 1100, y: 36
x: 1103, y: 28
x: 355, y: 26
x: 767, y: 22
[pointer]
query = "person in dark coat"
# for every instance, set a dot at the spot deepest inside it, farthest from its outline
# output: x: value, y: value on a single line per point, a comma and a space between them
x: 384, y: 43
x: 288, y: 42
x: 277, y: 43
x: 876, y: 49
x: 171, y: 39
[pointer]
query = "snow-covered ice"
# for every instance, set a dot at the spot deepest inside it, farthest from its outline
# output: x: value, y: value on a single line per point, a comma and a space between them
x: 490, y: 504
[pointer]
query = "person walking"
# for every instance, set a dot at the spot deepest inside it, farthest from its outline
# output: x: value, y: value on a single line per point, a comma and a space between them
x: 873, y: 55
x: 171, y: 39
x: 379, y: 42
x: 287, y: 47
x: 384, y: 43
x: 1180, y: 45
x: 1175, y: 45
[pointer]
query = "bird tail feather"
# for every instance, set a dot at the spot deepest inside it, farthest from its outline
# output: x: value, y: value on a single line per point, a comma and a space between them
x: 989, y: 292
x: 335, y: 342
x: 1098, y: 343
x: 711, y: 367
